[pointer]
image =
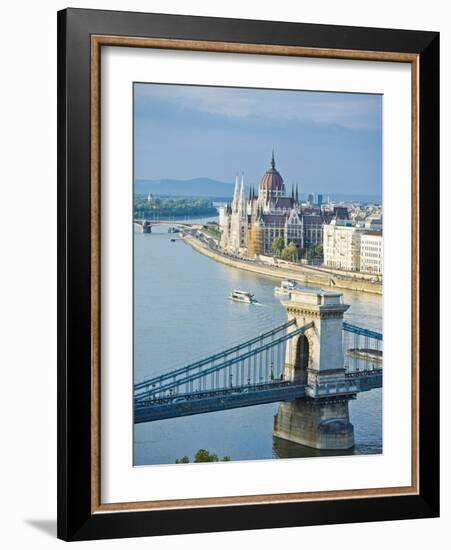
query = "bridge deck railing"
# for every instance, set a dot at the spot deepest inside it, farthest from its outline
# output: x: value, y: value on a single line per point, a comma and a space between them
x: 185, y: 370
x: 211, y: 368
x: 179, y: 382
x: 361, y: 347
x: 223, y: 390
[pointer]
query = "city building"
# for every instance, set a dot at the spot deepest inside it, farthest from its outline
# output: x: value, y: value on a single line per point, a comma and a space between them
x: 341, y: 245
x: 250, y: 225
x: 375, y: 224
x: 371, y: 252
x: 353, y: 247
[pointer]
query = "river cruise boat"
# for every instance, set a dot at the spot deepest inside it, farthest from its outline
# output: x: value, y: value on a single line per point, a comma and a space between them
x: 242, y: 296
x: 285, y: 287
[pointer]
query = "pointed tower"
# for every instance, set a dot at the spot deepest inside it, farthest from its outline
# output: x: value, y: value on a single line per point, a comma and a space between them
x: 271, y: 185
x: 242, y: 204
x: 235, y: 195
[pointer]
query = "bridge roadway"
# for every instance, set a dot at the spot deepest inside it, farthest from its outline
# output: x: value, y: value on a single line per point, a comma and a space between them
x: 175, y: 223
x: 245, y: 396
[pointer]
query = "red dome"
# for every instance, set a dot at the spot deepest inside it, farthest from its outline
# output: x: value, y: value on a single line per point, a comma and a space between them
x: 272, y: 180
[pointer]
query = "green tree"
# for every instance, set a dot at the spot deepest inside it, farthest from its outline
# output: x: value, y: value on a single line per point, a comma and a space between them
x: 277, y: 245
x: 290, y: 252
x: 171, y: 207
x: 317, y: 251
x: 203, y: 455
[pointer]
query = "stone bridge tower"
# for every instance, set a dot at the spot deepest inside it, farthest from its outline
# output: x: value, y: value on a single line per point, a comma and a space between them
x: 321, y: 419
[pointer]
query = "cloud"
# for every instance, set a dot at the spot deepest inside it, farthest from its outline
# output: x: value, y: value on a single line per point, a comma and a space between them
x: 351, y: 111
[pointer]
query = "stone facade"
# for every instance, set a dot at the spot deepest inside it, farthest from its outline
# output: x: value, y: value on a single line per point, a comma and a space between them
x: 325, y: 343
x: 371, y: 252
x: 353, y: 247
x: 341, y: 245
x: 315, y: 358
x: 321, y: 425
x: 249, y: 226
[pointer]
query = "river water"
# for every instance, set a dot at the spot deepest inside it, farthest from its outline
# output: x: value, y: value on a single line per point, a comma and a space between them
x: 182, y: 313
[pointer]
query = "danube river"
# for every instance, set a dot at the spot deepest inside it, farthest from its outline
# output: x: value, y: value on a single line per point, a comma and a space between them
x: 182, y: 313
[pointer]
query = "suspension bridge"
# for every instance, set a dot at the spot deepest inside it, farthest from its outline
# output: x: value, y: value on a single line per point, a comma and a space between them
x: 315, y: 358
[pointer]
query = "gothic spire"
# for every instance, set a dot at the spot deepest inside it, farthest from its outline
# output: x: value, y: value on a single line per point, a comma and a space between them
x: 241, y: 199
x: 235, y: 194
x: 273, y: 162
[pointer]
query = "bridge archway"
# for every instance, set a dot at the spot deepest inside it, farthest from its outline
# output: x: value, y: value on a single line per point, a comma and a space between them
x: 301, y: 359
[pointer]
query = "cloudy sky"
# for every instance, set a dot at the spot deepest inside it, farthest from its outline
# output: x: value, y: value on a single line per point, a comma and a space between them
x: 325, y: 142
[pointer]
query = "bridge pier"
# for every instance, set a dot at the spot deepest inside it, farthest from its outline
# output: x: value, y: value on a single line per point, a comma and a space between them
x: 146, y: 227
x: 321, y: 420
x: 315, y: 423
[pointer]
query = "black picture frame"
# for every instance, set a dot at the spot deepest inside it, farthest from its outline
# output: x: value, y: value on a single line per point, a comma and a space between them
x: 76, y: 520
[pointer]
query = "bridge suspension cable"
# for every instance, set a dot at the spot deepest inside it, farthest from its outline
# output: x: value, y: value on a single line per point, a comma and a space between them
x: 246, y: 368
x: 362, y: 349
x: 253, y: 374
x: 220, y: 355
x: 361, y: 331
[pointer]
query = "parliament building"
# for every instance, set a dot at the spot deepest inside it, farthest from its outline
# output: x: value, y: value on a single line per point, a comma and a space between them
x: 250, y: 224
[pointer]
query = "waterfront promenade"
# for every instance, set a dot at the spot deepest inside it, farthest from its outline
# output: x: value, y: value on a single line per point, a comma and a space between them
x: 307, y: 275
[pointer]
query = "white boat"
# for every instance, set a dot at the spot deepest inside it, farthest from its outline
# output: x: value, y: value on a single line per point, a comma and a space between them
x: 285, y: 287
x: 242, y: 296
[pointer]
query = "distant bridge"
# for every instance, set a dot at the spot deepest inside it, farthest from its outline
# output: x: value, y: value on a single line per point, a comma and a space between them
x: 146, y: 224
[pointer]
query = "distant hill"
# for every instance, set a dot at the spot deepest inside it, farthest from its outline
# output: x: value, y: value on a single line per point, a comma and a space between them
x: 197, y: 187
x: 207, y: 187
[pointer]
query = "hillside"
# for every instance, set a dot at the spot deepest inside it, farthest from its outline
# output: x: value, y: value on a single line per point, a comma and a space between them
x: 197, y: 187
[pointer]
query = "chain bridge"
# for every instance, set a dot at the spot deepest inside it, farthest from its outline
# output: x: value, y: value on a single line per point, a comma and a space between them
x: 312, y: 365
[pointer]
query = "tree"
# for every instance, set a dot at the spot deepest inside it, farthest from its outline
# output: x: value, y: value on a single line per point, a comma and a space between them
x: 165, y: 207
x: 277, y: 245
x: 290, y: 252
x: 317, y: 251
x: 203, y: 455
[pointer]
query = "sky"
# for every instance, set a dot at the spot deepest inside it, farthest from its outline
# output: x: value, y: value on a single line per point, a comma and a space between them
x: 323, y: 142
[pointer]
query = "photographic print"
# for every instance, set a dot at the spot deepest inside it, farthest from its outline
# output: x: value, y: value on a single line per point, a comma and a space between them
x: 258, y: 274
x: 239, y: 344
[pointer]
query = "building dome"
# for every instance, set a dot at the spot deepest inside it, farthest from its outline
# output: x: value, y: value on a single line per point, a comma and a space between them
x: 272, y: 180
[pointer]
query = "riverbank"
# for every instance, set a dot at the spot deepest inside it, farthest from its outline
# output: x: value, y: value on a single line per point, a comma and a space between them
x: 297, y: 273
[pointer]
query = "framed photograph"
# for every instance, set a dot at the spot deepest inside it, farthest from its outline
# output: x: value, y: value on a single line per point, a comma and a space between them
x: 248, y: 274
